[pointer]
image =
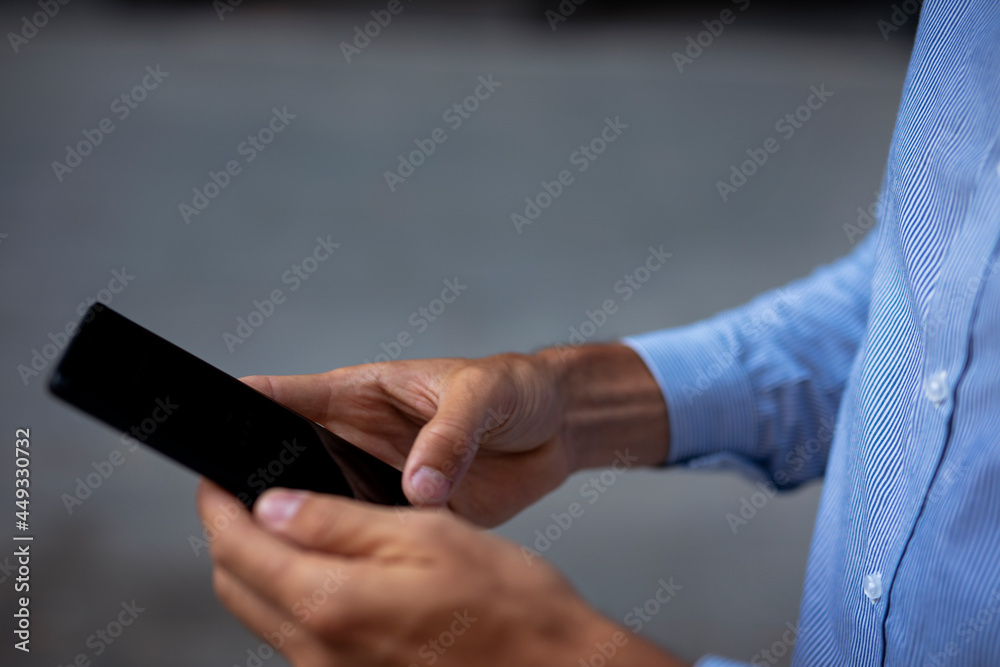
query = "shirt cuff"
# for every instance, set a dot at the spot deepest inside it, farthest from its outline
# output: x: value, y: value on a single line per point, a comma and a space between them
x: 709, y: 397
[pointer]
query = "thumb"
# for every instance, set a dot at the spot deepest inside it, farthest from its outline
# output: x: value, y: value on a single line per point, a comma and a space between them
x: 327, y: 523
x: 447, y: 444
x: 309, y: 395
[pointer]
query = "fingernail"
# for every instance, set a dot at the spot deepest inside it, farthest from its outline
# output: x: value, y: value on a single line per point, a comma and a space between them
x: 277, y: 508
x: 431, y: 486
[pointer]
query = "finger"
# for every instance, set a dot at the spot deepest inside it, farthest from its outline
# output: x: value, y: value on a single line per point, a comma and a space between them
x: 218, y: 508
x: 447, y: 444
x: 259, y: 615
x: 277, y: 570
x: 343, y: 401
x: 276, y: 627
x: 330, y: 524
x: 309, y: 395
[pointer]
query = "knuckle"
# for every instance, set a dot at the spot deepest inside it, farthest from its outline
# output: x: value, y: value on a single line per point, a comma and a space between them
x: 448, y: 432
x: 476, y: 377
x: 314, y: 521
x: 329, y: 620
x: 433, y: 526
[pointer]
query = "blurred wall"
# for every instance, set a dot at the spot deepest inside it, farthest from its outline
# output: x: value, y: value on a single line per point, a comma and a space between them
x: 63, y: 235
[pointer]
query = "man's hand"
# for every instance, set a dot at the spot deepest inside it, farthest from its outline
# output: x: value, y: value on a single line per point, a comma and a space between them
x: 332, y: 582
x: 488, y: 437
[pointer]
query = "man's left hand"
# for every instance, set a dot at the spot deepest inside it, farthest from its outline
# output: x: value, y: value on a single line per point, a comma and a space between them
x: 331, y: 581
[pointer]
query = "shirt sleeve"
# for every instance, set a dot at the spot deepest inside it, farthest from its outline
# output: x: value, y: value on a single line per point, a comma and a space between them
x: 758, y: 387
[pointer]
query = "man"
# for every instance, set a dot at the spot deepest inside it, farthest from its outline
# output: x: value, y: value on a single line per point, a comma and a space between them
x: 888, y: 367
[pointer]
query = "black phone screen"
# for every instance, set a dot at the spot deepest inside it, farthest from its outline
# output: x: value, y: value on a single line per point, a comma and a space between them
x: 168, y: 399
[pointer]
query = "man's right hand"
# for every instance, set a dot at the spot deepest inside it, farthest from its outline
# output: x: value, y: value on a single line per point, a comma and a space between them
x: 487, y: 437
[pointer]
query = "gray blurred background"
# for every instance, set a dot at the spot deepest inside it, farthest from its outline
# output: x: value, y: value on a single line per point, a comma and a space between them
x: 323, y: 175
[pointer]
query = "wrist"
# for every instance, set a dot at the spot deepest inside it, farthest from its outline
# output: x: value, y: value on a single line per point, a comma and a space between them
x: 610, y: 643
x: 611, y: 407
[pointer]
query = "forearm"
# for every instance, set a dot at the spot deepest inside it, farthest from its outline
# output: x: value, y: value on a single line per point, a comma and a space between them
x: 622, y: 647
x: 610, y: 403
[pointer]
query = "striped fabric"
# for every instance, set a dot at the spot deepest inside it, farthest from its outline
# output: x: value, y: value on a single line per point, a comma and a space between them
x: 881, y: 372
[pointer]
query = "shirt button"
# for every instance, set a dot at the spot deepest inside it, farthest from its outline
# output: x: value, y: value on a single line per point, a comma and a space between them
x: 936, y: 387
x: 873, y: 587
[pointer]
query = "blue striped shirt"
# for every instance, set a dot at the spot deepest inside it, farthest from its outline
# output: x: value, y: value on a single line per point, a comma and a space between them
x: 881, y: 372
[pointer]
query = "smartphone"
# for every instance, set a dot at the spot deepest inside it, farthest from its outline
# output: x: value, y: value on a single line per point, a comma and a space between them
x: 153, y: 391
